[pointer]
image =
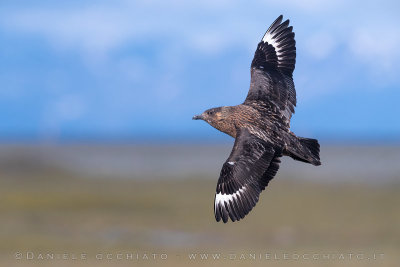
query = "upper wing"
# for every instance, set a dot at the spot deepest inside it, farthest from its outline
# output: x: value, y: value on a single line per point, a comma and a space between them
x: 250, y: 166
x: 272, y: 68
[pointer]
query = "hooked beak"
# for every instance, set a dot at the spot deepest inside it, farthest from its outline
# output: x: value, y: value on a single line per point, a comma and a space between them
x: 198, y: 117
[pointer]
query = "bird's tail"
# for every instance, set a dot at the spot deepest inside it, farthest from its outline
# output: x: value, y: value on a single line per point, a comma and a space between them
x: 306, y: 150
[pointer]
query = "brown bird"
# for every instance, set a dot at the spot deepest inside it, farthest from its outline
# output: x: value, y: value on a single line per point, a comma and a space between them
x: 260, y: 126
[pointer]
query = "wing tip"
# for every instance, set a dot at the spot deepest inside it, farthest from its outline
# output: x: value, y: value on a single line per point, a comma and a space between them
x: 237, y: 208
x: 280, y: 36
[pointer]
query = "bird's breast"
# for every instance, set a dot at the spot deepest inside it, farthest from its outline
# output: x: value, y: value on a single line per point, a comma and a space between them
x: 226, y: 126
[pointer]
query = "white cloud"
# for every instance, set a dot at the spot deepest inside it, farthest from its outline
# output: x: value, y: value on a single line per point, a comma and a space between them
x: 93, y: 30
x: 309, y: 6
x: 320, y: 45
x: 208, y: 27
x: 96, y: 30
x: 100, y: 28
x: 209, y: 42
x: 379, y: 47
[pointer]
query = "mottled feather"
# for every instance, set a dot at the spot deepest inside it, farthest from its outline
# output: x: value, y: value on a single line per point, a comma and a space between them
x: 252, y: 163
x: 271, y: 71
x: 260, y: 126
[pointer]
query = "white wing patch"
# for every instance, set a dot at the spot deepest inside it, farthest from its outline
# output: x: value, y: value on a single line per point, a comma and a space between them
x: 225, y: 198
x: 272, y: 41
x: 268, y: 39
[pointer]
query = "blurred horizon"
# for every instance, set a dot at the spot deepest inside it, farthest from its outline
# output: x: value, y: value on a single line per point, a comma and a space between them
x: 71, y: 199
x: 368, y: 164
x: 391, y: 140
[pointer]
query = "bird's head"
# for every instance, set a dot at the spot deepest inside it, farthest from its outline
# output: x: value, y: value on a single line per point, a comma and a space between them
x: 213, y: 116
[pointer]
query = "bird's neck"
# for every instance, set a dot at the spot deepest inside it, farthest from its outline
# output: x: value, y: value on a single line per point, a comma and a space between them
x: 227, y: 124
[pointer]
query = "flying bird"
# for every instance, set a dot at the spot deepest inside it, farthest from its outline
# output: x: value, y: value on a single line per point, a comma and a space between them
x: 260, y: 126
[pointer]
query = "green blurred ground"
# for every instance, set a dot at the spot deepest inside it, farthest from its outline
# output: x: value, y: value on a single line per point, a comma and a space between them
x: 54, y: 211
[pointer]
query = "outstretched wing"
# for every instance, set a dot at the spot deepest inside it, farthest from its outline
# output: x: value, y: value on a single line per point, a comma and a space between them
x: 252, y: 163
x: 272, y: 68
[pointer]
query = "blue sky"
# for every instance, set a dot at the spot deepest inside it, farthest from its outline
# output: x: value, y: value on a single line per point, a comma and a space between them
x: 139, y: 70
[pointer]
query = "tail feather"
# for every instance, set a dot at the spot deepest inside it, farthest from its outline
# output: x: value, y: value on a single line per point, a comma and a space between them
x: 308, y: 151
x: 313, y: 146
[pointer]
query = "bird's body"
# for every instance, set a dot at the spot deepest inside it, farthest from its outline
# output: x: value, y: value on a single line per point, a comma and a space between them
x: 260, y: 126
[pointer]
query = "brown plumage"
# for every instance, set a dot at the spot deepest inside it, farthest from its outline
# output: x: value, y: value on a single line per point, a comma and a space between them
x: 260, y: 126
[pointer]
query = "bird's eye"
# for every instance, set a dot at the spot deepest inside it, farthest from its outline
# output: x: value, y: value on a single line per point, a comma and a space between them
x: 210, y: 112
